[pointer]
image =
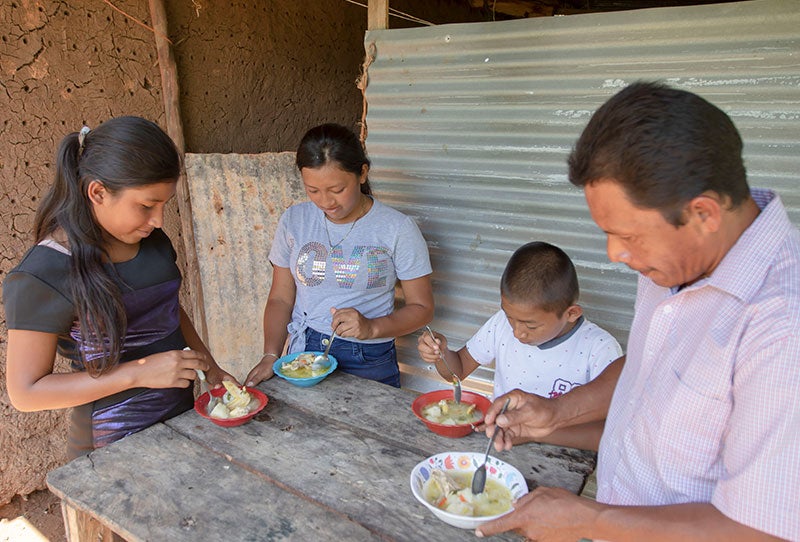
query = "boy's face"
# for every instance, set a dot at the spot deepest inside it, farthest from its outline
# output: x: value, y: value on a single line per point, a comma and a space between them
x: 534, y: 326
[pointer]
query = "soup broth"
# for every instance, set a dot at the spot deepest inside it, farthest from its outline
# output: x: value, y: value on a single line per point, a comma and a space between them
x: 236, y: 402
x: 450, y: 491
x: 448, y: 412
x: 300, y: 367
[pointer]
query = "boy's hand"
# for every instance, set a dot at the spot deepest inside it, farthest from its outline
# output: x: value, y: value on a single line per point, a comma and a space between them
x: 429, y: 349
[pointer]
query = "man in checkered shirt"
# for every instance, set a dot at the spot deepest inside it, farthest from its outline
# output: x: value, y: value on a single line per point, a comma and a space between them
x: 702, y: 432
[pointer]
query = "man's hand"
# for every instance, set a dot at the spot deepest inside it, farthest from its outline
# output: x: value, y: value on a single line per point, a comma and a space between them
x: 528, y: 417
x: 547, y: 514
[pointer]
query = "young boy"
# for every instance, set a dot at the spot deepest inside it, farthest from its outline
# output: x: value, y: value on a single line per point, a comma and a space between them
x: 539, y: 340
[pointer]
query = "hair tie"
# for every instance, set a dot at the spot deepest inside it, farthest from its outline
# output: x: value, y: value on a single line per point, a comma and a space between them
x: 82, y: 138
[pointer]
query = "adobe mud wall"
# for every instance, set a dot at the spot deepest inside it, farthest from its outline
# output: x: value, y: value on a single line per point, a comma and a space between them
x: 253, y: 77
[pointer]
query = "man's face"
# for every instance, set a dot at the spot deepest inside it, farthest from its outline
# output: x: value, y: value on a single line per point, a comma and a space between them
x: 643, y: 240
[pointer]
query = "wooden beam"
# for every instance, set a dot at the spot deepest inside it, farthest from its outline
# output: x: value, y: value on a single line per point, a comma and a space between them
x: 82, y: 527
x: 519, y: 8
x: 172, y: 109
x: 377, y: 14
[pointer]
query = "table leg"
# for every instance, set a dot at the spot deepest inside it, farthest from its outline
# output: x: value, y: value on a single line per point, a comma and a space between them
x: 82, y: 527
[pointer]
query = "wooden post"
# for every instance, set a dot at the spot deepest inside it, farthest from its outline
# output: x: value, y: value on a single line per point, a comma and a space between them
x: 82, y: 527
x: 377, y: 14
x: 170, y: 90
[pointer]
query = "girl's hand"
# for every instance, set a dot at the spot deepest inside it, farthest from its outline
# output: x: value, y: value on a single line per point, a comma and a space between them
x: 351, y: 323
x: 171, y: 369
x: 262, y: 371
x: 215, y: 375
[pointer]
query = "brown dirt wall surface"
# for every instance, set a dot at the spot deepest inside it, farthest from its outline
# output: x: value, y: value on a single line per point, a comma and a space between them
x: 62, y: 65
x: 253, y: 78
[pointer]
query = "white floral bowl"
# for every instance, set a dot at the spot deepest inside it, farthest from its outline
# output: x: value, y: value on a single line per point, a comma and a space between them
x: 466, y: 461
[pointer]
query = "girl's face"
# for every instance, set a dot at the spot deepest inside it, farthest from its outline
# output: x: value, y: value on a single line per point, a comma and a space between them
x: 336, y: 191
x: 131, y: 214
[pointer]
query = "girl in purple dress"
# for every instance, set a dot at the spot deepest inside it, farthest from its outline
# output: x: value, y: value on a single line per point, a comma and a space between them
x: 100, y: 287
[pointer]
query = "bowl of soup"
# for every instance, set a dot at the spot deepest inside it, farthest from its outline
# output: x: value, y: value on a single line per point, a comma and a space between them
x: 296, y: 368
x: 442, y: 483
x: 227, y: 412
x: 442, y: 415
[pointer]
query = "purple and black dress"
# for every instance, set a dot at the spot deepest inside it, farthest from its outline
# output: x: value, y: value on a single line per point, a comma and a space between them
x: 37, y: 297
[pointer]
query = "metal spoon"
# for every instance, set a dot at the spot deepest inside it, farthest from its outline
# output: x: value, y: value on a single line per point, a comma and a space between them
x: 479, y: 478
x: 212, y: 401
x: 322, y: 361
x: 456, y: 380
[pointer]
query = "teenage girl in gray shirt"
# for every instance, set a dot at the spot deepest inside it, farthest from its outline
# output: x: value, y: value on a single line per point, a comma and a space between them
x: 336, y: 260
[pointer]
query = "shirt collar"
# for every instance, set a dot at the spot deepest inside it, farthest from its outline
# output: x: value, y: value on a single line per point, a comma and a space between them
x: 742, y: 270
x: 561, y: 338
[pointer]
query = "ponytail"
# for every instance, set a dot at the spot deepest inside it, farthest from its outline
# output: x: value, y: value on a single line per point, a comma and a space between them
x: 124, y: 152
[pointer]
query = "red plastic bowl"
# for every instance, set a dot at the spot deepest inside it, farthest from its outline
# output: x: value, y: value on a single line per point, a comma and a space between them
x: 453, y: 431
x: 201, y: 403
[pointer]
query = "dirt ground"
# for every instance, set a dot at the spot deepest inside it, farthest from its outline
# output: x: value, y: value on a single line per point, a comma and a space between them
x: 35, y: 518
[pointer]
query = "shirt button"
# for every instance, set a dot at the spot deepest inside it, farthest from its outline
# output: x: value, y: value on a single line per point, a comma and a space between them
x: 668, y: 309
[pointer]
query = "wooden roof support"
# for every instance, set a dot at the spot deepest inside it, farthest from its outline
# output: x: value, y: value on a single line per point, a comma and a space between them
x: 170, y: 90
x: 520, y: 8
x: 377, y: 14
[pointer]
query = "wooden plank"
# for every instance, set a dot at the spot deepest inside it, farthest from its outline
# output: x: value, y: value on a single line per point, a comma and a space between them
x: 377, y: 14
x: 80, y: 526
x: 384, y: 412
x: 318, y: 463
x: 363, y: 477
x: 157, y: 485
x: 172, y: 110
x: 520, y: 8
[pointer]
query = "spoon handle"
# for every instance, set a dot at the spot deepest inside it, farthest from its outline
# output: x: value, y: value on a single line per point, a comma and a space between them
x: 479, y: 478
x: 330, y: 342
x: 456, y: 380
x: 491, y: 440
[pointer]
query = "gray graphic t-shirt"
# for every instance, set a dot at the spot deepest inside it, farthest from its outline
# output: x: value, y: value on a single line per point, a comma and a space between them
x: 359, y: 271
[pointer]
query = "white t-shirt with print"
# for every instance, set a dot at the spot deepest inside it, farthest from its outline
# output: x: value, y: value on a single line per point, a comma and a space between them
x: 549, y: 370
x: 359, y: 271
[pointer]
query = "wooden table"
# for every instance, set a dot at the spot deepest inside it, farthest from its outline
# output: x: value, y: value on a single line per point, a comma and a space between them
x: 330, y: 462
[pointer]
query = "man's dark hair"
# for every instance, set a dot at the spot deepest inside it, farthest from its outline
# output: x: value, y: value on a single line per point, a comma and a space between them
x: 664, y: 146
x: 540, y: 274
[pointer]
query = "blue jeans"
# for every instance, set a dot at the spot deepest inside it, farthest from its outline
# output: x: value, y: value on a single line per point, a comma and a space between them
x: 375, y: 361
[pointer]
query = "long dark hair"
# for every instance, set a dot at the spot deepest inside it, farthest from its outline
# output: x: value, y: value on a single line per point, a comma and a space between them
x: 123, y: 152
x: 333, y: 143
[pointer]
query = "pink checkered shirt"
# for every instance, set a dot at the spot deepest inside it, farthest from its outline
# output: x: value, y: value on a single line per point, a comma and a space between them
x: 707, y: 408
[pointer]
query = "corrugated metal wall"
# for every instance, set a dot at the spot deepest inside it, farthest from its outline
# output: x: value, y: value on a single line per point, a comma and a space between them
x: 237, y: 200
x: 470, y: 125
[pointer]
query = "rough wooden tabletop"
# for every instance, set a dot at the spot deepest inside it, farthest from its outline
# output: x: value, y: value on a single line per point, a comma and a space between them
x: 318, y: 463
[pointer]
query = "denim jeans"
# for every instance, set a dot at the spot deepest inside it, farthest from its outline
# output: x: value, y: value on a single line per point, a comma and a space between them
x: 375, y: 361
